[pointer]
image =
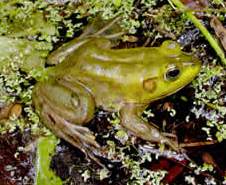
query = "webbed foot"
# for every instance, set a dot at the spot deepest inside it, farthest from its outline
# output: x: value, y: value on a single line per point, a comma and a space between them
x: 79, y: 136
x: 64, y: 109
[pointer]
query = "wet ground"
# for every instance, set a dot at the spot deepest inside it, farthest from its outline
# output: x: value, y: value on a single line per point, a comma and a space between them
x: 16, y: 167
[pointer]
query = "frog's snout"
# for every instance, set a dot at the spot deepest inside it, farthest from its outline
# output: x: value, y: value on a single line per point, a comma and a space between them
x: 191, y: 69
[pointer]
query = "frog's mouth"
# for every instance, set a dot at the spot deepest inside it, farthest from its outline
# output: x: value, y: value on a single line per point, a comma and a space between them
x: 171, y: 93
x: 166, y: 94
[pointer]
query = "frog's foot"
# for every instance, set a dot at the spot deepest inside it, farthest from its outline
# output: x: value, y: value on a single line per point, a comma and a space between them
x: 77, y: 135
x: 152, y: 134
x: 107, y: 29
x: 142, y: 129
x: 64, y: 108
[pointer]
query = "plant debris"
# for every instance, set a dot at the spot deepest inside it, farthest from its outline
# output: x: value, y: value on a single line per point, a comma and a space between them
x: 220, y: 30
x: 16, y: 165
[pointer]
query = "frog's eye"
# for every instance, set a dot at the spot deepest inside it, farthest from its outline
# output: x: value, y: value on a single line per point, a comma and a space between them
x: 172, y: 73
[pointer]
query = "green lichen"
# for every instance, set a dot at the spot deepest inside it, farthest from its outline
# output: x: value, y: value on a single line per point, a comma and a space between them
x: 23, y: 19
x: 166, y: 22
x: 19, y: 55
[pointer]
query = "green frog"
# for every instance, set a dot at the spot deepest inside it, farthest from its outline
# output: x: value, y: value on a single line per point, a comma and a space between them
x: 90, y: 73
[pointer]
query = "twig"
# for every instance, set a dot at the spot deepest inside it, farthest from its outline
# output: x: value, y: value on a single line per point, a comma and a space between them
x: 197, y: 144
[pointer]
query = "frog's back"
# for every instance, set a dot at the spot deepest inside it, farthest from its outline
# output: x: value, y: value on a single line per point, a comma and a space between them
x: 113, y: 77
x: 136, y: 75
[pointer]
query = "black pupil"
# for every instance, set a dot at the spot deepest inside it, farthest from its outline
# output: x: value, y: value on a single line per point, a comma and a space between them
x: 173, y: 73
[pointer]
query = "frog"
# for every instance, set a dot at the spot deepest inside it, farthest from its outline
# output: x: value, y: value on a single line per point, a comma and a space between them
x: 90, y: 73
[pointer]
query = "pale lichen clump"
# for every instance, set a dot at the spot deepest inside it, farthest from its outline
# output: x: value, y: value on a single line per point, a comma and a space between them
x: 210, y: 99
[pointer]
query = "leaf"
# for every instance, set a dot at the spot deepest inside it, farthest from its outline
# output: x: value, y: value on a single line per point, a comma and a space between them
x: 220, y: 30
x: 45, y: 149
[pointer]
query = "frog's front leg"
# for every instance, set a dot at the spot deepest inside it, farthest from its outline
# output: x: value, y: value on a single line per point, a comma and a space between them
x: 131, y: 120
x: 65, y: 108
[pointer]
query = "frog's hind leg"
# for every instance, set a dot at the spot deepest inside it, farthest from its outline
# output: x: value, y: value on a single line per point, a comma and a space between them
x: 74, y: 134
x: 64, y: 110
x: 97, y: 30
x: 103, y: 28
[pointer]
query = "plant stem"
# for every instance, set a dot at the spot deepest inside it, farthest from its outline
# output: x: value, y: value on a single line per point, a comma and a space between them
x: 212, y: 41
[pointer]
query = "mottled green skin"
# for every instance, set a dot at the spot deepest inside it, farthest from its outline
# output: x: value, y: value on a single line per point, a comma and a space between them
x: 91, y: 74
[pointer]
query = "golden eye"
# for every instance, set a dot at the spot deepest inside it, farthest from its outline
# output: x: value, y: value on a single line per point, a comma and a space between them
x: 172, y: 73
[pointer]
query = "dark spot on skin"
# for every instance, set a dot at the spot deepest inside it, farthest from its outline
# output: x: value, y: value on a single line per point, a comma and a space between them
x: 149, y: 84
x: 51, y: 118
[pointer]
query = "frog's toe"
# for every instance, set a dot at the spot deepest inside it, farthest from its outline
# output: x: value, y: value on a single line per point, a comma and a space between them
x: 156, y: 136
x: 89, y: 147
x: 172, y: 144
x: 84, y: 134
x: 79, y: 136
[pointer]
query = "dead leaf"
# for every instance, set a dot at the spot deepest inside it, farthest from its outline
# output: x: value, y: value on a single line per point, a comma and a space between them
x: 16, y: 110
x: 196, y: 4
x: 4, y: 111
x: 220, y: 30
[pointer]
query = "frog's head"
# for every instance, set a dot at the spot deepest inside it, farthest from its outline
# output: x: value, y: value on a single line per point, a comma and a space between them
x: 173, y: 70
